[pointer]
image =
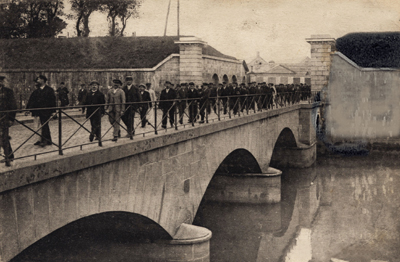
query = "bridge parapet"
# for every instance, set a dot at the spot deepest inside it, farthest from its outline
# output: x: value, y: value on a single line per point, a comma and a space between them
x: 162, y: 177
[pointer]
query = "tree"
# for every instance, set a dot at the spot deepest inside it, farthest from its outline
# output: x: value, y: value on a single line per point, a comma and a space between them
x: 31, y: 19
x: 83, y: 10
x: 122, y: 9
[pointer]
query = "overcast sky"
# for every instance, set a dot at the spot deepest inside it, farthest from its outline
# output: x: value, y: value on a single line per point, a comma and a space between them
x: 275, y: 28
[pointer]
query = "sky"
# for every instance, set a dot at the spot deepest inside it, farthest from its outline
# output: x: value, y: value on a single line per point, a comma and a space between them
x: 275, y: 28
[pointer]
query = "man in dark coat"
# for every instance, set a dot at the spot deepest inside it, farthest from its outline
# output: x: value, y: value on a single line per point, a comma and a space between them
x: 32, y: 104
x: 213, y: 96
x: 7, y: 102
x: 181, y: 95
x: 145, y: 105
x: 62, y: 93
x: 167, y: 104
x: 235, y: 99
x: 192, y: 96
x: 95, y: 97
x: 46, y: 99
x: 204, y: 104
x: 225, y: 91
x: 132, y: 96
x: 82, y: 95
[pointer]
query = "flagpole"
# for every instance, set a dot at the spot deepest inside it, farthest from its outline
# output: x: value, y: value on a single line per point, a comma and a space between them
x: 178, y: 19
x: 166, y: 21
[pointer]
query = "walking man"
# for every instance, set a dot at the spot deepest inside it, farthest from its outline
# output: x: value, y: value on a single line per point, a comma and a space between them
x: 95, y: 97
x: 132, y: 97
x: 46, y: 99
x: 167, y: 104
x: 145, y: 105
x: 115, y: 106
x: 7, y: 102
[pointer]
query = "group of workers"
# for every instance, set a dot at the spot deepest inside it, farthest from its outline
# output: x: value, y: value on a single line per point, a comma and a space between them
x: 124, y: 101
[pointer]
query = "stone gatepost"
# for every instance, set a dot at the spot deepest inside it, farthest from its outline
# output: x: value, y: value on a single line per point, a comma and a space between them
x: 191, y: 59
x: 321, y: 48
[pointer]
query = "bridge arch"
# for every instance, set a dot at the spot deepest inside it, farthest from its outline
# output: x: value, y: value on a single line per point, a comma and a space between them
x: 239, y: 161
x: 123, y: 227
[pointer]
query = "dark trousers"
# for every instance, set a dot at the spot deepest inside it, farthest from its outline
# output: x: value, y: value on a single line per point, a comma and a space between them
x: 95, y: 122
x: 171, y: 114
x: 5, y: 143
x: 193, y: 111
x: 143, y: 113
x: 225, y: 105
x: 46, y: 136
x: 204, y: 105
x: 128, y: 119
x: 234, y: 101
x: 181, y: 110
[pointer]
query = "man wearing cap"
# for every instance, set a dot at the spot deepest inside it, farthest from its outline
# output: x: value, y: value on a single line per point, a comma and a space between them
x: 132, y: 98
x: 192, y: 96
x: 181, y: 92
x: 46, y: 99
x: 7, y: 102
x: 32, y: 104
x: 95, y: 97
x: 204, y: 104
x: 82, y: 95
x: 225, y: 91
x: 145, y: 105
x: 115, y: 106
x: 168, y: 107
x: 213, y: 96
x: 62, y: 93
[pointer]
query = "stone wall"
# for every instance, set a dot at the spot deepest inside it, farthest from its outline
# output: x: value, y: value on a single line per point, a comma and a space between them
x: 363, y: 102
x: 21, y: 81
x: 162, y: 178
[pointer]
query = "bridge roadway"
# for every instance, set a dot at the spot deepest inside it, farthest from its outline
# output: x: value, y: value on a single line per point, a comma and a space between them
x: 160, y: 177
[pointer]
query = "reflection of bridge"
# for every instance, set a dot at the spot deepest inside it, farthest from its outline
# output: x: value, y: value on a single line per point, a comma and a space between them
x: 162, y: 178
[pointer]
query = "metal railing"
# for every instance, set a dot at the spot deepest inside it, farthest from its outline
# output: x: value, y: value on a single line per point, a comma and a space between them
x: 153, y: 114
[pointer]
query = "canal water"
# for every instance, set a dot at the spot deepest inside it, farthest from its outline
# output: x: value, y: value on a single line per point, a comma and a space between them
x: 343, y: 207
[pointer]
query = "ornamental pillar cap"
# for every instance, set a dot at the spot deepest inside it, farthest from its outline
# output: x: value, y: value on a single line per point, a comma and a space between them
x: 320, y: 38
x: 190, y: 40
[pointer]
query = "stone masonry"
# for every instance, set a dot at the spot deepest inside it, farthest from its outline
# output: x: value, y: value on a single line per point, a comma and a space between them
x: 321, y: 48
x: 162, y: 178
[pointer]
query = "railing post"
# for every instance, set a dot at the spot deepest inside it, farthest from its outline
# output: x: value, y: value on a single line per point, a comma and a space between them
x: 155, y: 118
x: 175, y: 115
x: 208, y: 107
x: 60, y: 152
x: 218, y: 109
x: 228, y: 106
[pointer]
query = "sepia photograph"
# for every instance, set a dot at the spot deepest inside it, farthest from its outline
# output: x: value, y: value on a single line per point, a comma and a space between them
x: 199, y: 131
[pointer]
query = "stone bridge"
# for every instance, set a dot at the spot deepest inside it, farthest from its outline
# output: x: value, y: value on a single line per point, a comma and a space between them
x: 162, y: 178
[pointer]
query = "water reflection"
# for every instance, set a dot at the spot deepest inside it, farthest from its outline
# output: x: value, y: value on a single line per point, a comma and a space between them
x: 345, y: 208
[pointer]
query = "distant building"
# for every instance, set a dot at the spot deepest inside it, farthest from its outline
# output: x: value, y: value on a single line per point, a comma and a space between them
x: 147, y: 59
x: 279, y: 73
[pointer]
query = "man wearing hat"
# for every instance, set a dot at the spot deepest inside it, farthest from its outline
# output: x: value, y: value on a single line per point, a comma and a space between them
x: 46, y: 99
x: 132, y: 98
x: 204, y: 104
x: 145, y: 105
x: 62, y: 93
x: 181, y: 92
x: 95, y: 97
x: 82, y: 95
x: 192, y: 96
x: 168, y: 107
x: 115, y: 106
x: 7, y: 102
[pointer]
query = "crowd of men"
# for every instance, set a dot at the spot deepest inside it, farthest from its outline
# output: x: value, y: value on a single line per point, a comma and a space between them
x: 124, y: 101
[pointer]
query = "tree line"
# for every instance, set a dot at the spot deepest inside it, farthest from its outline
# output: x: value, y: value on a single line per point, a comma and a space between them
x: 45, y: 18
